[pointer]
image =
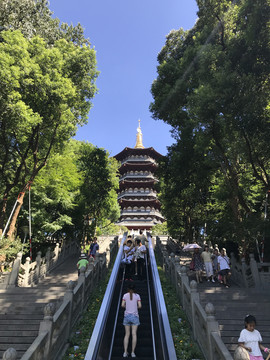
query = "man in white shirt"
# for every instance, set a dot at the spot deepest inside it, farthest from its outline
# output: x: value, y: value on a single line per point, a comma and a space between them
x: 224, y: 267
x: 140, y: 257
x: 206, y: 256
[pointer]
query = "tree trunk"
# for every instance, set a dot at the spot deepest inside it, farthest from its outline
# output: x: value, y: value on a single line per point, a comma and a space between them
x: 3, y: 213
x: 12, y: 226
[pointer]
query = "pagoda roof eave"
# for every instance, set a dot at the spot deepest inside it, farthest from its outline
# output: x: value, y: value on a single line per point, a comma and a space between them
x: 137, y: 151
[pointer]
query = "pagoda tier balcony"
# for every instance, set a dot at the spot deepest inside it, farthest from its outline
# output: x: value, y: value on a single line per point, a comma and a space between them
x: 147, y: 166
x: 131, y: 175
x: 125, y: 213
x: 137, y: 183
x: 138, y: 159
x: 137, y: 193
x: 132, y: 203
x: 151, y: 152
x: 138, y: 222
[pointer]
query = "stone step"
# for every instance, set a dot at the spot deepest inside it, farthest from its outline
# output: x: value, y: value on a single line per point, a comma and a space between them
x: 15, y: 326
x: 21, y: 316
x: 16, y: 333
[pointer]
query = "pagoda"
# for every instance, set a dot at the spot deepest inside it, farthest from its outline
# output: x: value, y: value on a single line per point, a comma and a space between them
x: 137, y: 197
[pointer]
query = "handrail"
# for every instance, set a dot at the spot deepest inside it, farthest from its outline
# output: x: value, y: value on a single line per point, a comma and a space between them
x: 166, y: 338
x: 116, y: 315
x: 150, y: 309
x: 105, y: 307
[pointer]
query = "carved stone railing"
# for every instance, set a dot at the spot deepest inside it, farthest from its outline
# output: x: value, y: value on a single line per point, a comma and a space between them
x: 205, y: 328
x: 256, y: 275
x: 29, y: 273
x: 57, y: 326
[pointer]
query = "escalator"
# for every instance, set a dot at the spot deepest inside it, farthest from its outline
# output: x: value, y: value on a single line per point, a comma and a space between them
x: 154, y: 339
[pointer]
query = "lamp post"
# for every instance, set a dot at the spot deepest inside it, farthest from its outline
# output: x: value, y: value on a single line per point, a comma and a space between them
x: 25, y: 230
x: 265, y: 219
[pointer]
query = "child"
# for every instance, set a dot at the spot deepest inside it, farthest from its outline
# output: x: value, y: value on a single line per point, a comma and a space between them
x: 250, y: 339
x: 83, y: 262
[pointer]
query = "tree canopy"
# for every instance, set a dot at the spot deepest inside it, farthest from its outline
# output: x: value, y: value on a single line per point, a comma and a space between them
x: 213, y: 89
x: 45, y: 94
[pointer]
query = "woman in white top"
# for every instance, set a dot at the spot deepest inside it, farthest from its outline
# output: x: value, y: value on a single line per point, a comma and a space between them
x: 131, y: 302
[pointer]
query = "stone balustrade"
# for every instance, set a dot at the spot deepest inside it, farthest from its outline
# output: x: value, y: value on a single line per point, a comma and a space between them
x: 30, y: 273
x: 252, y: 275
x: 204, y: 325
x: 56, y: 327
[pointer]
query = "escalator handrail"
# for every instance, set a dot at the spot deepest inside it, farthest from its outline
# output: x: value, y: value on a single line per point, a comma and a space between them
x: 105, y: 307
x: 117, y: 313
x: 150, y: 309
x: 166, y: 335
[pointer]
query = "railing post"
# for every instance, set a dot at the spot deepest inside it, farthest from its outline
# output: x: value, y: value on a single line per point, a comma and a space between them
x: 46, y: 325
x: 38, y: 261
x: 254, y: 271
x: 81, y: 280
x: 184, y: 280
x: 194, y: 295
x: 177, y: 268
x: 56, y: 251
x: 26, y: 271
x: 15, y: 270
x: 172, y: 269
x: 69, y: 297
x: 244, y: 272
x: 10, y: 354
x: 48, y: 259
x: 211, y: 326
x: 241, y: 354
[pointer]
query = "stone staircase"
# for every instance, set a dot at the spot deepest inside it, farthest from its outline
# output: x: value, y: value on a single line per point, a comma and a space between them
x: 232, y: 305
x: 21, y: 309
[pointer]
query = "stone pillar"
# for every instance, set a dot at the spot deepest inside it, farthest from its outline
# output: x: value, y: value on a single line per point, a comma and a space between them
x: 26, y: 271
x: 56, y: 252
x: 46, y: 325
x: 211, y: 326
x: 69, y: 297
x: 244, y: 272
x: 194, y: 295
x: 81, y: 280
x: 48, y: 259
x: 10, y: 354
x: 241, y: 354
x: 38, y: 261
x: 177, y: 268
x: 184, y: 280
x: 255, y: 272
x: 15, y: 271
x: 171, y: 268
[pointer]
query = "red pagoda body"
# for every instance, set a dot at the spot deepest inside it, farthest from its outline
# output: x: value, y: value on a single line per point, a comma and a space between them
x: 140, y: 208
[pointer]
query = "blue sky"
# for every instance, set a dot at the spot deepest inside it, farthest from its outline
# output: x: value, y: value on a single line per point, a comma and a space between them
x: 127, y: 36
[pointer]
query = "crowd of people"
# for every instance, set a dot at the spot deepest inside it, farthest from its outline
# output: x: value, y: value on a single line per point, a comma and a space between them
x: 134, y: 252
x: 216, y: 265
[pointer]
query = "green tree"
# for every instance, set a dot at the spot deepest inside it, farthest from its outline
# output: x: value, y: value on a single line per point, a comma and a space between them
x: 45, y: 95
x: 213, y: 88
x: 99, y: 186
x: 33, y: 17
x: 54, y: 195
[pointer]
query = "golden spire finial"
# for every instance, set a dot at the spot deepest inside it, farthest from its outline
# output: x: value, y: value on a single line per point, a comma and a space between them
x: 139, y: 144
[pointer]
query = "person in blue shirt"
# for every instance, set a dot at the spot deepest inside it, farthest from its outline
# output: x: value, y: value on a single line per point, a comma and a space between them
x: 94, y: 247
